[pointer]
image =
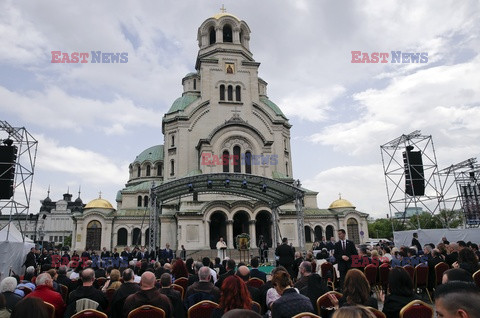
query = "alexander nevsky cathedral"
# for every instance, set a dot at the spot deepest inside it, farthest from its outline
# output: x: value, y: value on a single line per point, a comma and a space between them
x: 223, y: 125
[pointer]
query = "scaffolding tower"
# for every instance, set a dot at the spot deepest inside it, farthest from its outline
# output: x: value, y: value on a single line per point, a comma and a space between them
x: 24, y: 167
x: 411, y: 175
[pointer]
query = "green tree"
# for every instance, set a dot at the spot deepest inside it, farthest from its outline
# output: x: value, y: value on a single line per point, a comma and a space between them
x: 68, y: 241
x: 450, y: 218
x: 382, y: 228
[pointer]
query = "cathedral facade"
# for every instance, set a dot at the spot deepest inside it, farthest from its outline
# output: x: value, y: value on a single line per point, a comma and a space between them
x: 224, y: 122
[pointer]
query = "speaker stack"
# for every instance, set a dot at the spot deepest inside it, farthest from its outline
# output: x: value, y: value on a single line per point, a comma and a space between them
x: 8, y: 158
x: 414, y: 176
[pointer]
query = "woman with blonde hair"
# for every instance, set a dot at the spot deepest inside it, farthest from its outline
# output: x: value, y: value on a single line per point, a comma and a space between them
x: 353, y: 312
x: 113, y: 282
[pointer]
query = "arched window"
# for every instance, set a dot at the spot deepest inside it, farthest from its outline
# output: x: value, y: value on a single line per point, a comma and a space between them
x: 213, y: 36
x: 147, y: 236
x: 226, y: 161
x: 145, y: 200
x: 286, y: 168
x: 241, y: 37
x: 94, y: 235
x: 222, y: 92
x: 148, y: 170
x: 308, y: 234
x: 139, y: 201
x: 122, y: 237
x: 238, y: 97
x: 248, y: 162
x: 172, y: 167
x: 159, y: 169
x: 138, y: 171
x: 194, y: 84
x: 236, y: 159
x: 227, y: 34
x: 329, y: 232
x: 230, y: 92
x: 172, y: 144
x: 136, y: 238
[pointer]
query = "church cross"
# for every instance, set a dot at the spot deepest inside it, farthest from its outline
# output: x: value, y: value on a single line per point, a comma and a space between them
x: 223, y: 9
x: 100, y: 194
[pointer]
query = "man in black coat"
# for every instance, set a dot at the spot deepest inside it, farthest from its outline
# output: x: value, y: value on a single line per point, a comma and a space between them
x: 129, y: 287
x: 31, y: 259
x: 285, y: 256
x: 255, y: 272
x: 343, y: 251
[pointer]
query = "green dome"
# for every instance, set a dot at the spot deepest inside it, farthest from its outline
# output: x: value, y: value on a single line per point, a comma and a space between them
x: 182, y: 102
x: 272, y: 106
x: 151, y: 154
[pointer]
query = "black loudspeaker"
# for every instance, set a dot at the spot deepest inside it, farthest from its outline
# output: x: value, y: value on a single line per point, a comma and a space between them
x: 8, y: 157
x: 414, y: 176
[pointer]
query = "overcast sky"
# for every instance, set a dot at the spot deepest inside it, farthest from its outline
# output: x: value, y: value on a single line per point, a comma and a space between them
x: 92, y: 120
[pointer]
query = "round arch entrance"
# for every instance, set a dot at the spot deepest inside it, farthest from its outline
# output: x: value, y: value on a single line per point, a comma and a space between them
x: 318, y: 233
x: 218, y: 228
x: 240, y: 225
x: 263, y: 226
x: 352, y: 230
x: 94, y: 235
x: 329, y: 232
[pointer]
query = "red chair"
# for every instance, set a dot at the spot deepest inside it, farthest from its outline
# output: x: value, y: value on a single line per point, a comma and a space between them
x: 416, y: 309
x: 377, y: 312
x: 421, y: 278
x: 371, y: 272
x: 109, y: 293
x: 440, y: 268
x: 255, y: 282
x: 324, y: 300
x: 256, y: 307
x: 476, y: 278
x: 180, y: 289
x: 383, y: 272
x: 147, y: 311
x: 411, y: 271
x: 64, y: 290
x: 90, y: 313
x: 327, y: 268
x: 202, y: 309
x: 50, y: 309
x: 182, y: 281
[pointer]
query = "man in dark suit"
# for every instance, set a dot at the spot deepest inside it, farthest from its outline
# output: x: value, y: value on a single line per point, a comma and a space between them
x: 254, y: 272
x: 323, y: 244
x: 286, y: 256
x: 31, y: 259
x: 343, y: 251
x: 167, y: 253
x: 331, y: 244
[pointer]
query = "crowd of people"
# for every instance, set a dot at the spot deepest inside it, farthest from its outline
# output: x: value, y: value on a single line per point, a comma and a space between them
x: 117, y: 283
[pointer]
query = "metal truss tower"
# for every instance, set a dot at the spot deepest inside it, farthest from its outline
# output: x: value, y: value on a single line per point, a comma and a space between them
x: 26, y: 144
x: 412, y: 185
x: 464, y: 176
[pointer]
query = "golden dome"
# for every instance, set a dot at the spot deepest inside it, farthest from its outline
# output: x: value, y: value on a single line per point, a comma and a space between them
x: 99, y: 204
x: 224, y: 14
x: 341, y: 204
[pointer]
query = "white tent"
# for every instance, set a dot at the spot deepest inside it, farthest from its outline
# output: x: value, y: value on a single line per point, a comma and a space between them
x: 13, y: 250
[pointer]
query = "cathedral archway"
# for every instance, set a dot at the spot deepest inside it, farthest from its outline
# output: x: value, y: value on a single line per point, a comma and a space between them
x: 94, y: 235
x: 240, y: 225
x: 263, y: 226
x: 136, y: 237
x: 318, y: 233
x: 352, y: 230
x: 122, y: 237
x: 218, y: 228
x: 308, y: 234
x: 329, y: 232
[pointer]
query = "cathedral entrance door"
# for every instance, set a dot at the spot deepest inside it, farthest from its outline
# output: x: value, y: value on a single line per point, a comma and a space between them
x: 94, y: 235
x: 263, y: 227
x: 218, y: 228
x: 240, y: 225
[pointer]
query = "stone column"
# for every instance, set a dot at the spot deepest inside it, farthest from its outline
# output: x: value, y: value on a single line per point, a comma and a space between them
x: 236, y: 35
x: 129, y: 238
x: 230, y: 237
x: 218, y: 35
x: 207, y: 233
x: 253, y: 236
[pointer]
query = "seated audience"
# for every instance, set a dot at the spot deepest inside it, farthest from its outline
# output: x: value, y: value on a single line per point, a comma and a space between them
x: 113, y: 282
x: 353, y: 312
x: 172, y: 294
x: 7, y: 288
x: 46, y: 292
x: 63, y: 279
x: 4, y: 312
x: 255, y: 272
x: 234, y: 296
x: 401, y: 292
x: 457, y: 299
x: 148, y: 295
x: 244, y: 273
x: 356, y: 291
x: 453, y: 274
x: 128, y: 288
x: 290, y: 302
x: 467, y: 260
x: 88, y: 291
x: 201, y: 290
x: 31, y: 307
